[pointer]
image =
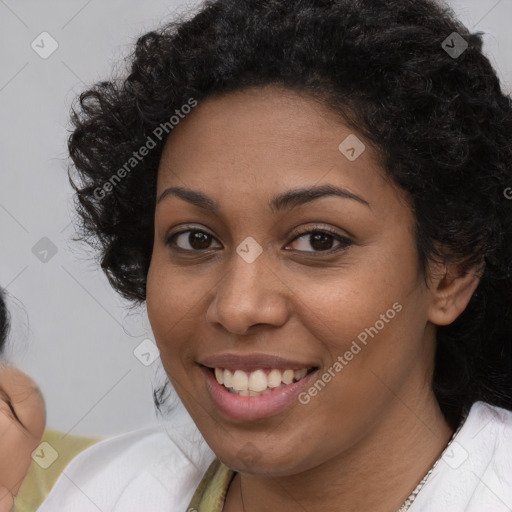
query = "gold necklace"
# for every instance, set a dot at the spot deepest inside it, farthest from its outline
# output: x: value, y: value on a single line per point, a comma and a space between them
x: 408, y: 502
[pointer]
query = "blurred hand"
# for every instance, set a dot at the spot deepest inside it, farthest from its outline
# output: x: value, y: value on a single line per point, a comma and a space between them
x: 22, y: 424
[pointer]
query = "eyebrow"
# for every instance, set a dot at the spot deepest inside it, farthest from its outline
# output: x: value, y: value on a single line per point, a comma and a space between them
x: 286, y: 201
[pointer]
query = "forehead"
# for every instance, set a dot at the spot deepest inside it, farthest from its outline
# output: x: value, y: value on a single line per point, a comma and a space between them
x: 250, y: 145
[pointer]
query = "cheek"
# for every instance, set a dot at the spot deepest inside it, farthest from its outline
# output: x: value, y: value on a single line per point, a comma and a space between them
x: 339, y: 304
x: 371, y: 313
x: 171, y: 298
x: 16, y: 447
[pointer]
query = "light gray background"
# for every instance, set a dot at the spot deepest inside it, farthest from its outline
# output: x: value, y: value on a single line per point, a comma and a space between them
x: 71, y: 332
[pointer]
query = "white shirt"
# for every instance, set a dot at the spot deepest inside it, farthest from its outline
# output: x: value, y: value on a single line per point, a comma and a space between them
x: 158, y: 469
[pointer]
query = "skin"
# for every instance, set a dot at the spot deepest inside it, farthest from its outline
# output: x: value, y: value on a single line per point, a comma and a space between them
x: 367, y: 439
x: 20, y: 432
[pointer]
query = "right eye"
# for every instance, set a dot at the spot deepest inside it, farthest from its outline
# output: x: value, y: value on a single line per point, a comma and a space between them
x: 198, y: 240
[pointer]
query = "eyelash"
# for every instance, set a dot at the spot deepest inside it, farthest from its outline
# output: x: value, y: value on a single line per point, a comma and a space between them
x: 11, y: 411
x: 344, y: 241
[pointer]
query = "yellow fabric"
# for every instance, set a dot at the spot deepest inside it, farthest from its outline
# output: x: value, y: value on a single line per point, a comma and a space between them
x: 211, y: 491
x: 39, y: 481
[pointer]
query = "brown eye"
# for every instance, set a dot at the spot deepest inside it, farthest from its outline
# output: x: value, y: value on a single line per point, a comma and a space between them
x: 322, y: 241
x: 197, y: 240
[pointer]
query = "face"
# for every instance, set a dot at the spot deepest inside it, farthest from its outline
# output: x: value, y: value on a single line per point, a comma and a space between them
x: 22, y: 423
x: 330, y: 286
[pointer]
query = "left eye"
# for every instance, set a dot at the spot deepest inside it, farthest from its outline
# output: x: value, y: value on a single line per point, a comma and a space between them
x: 7, y: 409
x: 320, y: 240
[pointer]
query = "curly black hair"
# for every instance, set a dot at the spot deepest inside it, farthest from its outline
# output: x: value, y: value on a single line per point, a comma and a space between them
x: 4, y: 321
x: 427, y: 99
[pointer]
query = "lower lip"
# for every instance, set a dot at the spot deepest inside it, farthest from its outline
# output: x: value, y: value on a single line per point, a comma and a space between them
x: 248, y: 408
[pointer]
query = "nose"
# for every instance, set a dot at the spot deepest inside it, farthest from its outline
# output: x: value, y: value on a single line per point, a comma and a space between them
x: 249, y: 294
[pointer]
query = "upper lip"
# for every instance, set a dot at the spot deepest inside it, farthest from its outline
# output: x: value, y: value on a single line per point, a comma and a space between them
x: 251, y: 362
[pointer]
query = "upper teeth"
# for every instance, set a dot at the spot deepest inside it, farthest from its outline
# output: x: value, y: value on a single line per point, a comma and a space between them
x: 258, y: 382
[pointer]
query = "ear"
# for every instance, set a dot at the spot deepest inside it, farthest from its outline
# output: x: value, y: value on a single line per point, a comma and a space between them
x: 451, y: 289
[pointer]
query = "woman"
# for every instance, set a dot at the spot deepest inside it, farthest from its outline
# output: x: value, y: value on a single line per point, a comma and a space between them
x: 22, y: 421
x: 309, y: 197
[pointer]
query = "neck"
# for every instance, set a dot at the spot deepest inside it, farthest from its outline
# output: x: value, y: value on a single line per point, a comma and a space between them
x: 377, y: 474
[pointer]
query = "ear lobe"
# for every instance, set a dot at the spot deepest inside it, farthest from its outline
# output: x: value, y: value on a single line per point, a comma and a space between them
x: 451, y: 291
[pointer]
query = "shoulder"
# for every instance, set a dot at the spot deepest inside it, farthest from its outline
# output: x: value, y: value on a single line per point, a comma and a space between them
x: 156, y: 468
x: 474, y: 473
x: 53, y: 454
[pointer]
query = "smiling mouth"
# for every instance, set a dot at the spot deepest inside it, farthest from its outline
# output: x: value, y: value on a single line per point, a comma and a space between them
x: 259, y: 382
